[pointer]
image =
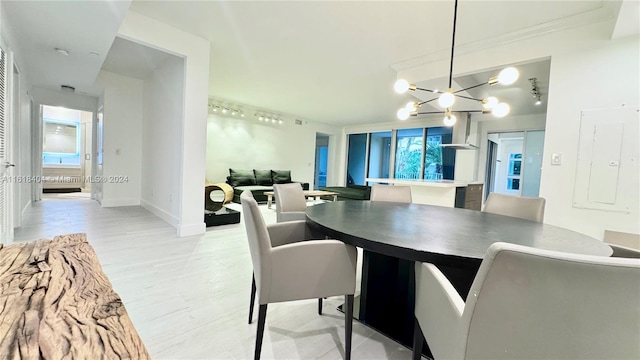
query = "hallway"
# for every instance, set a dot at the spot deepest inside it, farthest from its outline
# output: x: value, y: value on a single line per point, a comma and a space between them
x: 188, y: 296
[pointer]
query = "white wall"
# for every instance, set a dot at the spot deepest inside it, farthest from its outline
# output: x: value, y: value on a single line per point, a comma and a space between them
x: 489, y: 124
x: 193, y: 120
x: 161, y: 143
x: 249, y: 144
x: 121, y: 135
x: 603, y: 75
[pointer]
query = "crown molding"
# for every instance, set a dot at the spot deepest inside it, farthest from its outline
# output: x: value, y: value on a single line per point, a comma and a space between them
x: 586, y: 18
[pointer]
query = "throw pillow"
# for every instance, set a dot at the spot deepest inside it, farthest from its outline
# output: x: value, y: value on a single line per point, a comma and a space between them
x: 241, y: 177
x: 281, y: 176
x: 263, y: 177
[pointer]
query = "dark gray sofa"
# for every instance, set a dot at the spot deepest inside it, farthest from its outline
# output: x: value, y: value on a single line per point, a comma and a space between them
x: 258, y: 181
x: 350, y: 192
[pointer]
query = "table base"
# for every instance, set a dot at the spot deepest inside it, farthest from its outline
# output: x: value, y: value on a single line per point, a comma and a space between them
x: 387, y: 298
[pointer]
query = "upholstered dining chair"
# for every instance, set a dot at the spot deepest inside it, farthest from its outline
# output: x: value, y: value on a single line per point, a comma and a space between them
x: 527, y: 208
x: 296, y: 270
x: 532, y: 303
x: 290, y: 202
x: 401, y: 194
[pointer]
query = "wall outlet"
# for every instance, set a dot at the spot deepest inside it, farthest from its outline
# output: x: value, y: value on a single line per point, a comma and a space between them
x: 556, y: 159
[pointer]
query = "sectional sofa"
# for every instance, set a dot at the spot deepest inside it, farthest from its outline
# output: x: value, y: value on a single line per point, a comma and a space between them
x: 350, y: 192
x: 258, y: 181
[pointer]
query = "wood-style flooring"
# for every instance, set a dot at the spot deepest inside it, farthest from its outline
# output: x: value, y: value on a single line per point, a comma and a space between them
x: 189, y: 297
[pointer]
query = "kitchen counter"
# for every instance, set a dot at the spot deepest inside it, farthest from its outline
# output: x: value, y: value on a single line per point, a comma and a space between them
x: 449, y: 193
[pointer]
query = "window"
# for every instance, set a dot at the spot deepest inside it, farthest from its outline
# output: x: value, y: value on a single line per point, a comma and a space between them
x: 61, y: 142
x: 408, y: 153
x: 438, y: 161
x: 379, y: 155
x: 417, y: 155
x: 356, y: 159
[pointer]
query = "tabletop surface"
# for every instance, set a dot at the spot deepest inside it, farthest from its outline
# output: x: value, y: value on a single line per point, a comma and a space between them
x: 431, y: 233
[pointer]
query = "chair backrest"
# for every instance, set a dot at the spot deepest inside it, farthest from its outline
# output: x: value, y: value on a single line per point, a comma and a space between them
x: 533, y: 303
x: 628, y: 240
x: 624, y: 252
x: 401, y: 194
x: 515, y: 206
x: 258, y: 236
x: 289, y: 197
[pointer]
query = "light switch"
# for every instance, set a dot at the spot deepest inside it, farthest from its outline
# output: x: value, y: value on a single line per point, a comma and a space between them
x: 556, y: 159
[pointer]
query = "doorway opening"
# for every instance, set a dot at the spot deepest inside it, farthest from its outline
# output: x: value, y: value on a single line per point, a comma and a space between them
x: 514, y: 163
x: 322, y: 156
x: 66, y: 152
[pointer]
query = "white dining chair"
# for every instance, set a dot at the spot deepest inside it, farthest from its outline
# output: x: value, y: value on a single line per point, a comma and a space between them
x: 296, y: 269
x: 528, y: 208
x: 388, y: 193
x: 290, y: 202
x: 534, y: 304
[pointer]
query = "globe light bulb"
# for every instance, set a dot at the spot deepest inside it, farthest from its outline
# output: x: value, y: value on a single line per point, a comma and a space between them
x: 491, y: 101
x: 403, y: 114
x: 401, y: 86
x: 411, y: 106
x: 501, y: 110
x: 449, y: 120
x: 508, y: 76
x: 446, y: 100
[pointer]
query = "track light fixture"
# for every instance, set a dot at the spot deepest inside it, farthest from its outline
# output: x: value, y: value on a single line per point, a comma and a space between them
x: 447, y: 98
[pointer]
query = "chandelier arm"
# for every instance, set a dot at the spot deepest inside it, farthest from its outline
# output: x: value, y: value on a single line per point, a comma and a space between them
x: 429, y: 90
x: 453, y: 42
x: 426, y: 101
x: 470, y: 87
x: 442, y: 112
x: 468, y: 97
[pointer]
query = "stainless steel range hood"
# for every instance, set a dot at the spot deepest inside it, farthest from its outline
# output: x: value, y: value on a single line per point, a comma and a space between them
x: 460, y: 146
x: 460, y: 139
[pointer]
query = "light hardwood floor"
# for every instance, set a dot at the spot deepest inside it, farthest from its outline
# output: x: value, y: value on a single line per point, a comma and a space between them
x: 189, y: 297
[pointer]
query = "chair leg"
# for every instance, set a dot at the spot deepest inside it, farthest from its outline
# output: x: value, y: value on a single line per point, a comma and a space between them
x: 348, y: 325
x: 253, y: 298
x: 418, y: 341
x: 262, y: 316
x: 319, y: 306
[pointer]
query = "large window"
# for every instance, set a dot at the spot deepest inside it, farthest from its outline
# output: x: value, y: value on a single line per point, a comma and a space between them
x: 409, y: 147
x: 379, y: 155
x: 356, y: 159
x: 412, y: 154
x: 439, y: 162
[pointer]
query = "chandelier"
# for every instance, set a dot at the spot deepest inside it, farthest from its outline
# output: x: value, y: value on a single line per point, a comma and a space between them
x: 447, y: 98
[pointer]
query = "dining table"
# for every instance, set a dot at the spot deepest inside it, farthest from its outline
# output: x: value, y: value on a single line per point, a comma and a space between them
x: 394, y: 236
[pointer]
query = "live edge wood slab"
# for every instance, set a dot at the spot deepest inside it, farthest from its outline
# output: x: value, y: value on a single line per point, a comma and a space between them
x: 56, y: 302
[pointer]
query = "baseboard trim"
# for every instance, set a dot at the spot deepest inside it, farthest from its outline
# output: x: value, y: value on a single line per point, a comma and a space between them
x: 192, y: 229
x: 25, y: 208
x: 120, y: 202
x: 172, y: 220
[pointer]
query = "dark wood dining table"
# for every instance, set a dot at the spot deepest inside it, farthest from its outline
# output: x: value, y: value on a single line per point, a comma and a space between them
x: 395, y: 235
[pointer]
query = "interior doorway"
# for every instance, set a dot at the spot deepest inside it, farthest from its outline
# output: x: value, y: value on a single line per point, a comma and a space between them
x: 66, y: 152
x: 514, y: 163
x: 322, y: 156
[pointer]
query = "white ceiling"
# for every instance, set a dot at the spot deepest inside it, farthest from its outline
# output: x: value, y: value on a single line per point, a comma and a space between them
x: 133, y: 59
x: 80, y: 27
x: 325, y: 61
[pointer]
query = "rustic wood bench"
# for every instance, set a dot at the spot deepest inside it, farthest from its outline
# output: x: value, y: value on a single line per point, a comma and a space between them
x: 56, y: 302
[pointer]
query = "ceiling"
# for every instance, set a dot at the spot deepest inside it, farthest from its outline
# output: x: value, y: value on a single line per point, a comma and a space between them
x: 85, y: 29
x: 324, y: 61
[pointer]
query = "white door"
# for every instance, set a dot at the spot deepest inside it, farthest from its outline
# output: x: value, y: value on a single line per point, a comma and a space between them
x: 4, y: 203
